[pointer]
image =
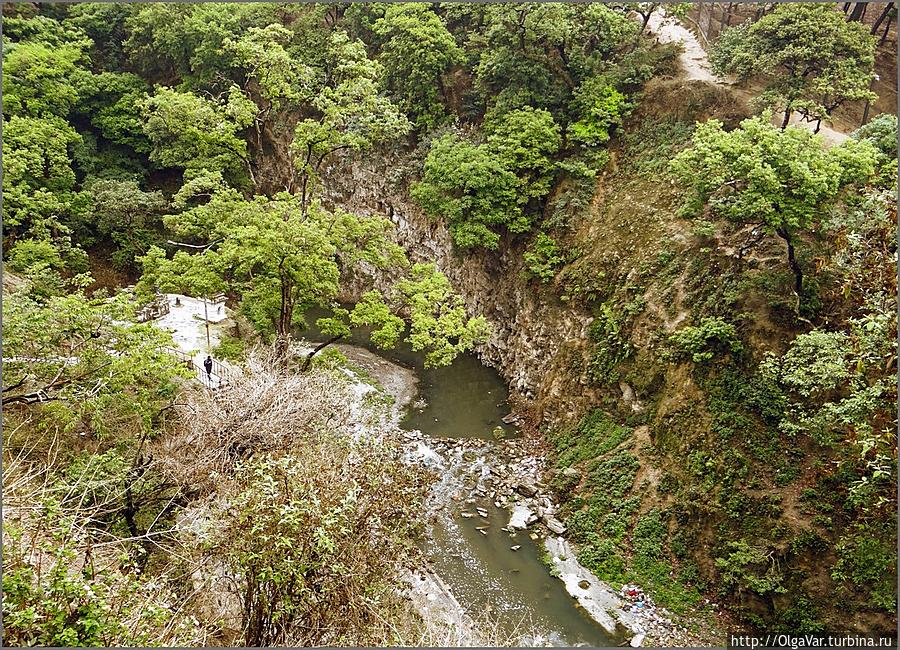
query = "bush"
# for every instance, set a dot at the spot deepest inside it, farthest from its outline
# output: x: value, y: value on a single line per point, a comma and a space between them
x: 867, y: 561
x: 750, y: 568
x: 702, y: 343
x: 230, y: 348
x: 56, y: 594
x: 317, y: 538
x: 595, y: 435
x: 544, y: 257
x: 611, y: 345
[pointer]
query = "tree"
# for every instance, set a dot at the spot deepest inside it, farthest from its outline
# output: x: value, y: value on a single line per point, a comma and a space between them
x: 538, y: 54
x: 38, y: 179
x: 87, y: 355
x: 525, y: 142
x: 480, y: 189
x: 417, y: 51
x: 352, y: 115
x: 39, y: 78
x: 113, y: 101
x: 197, y: 134
x: 600, y: 107
x: 127, y: 215
x: 774, y: 179
x: 185, y: 41
x: 282, y: 260
x: 466, y: 185
x: 439, y: 326
x: 814, y: 60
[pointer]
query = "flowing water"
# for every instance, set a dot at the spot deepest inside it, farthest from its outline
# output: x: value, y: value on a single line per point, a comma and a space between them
x: 513, y: 589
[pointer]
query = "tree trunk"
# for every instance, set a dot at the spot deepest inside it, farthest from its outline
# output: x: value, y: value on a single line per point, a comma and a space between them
x: 319, y: 348
x: 792, y: 261
x: 787, y: 117
x: 881, y: 18
x: 859, y: 11
x: 887, y: 29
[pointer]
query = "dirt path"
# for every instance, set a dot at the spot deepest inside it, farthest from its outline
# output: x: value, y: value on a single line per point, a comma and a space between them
x: 694, y: 61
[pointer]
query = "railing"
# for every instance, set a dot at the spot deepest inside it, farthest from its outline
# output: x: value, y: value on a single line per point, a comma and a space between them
x: 220, y: 376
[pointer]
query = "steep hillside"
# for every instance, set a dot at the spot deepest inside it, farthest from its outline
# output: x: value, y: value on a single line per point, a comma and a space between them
x: 684, y: 482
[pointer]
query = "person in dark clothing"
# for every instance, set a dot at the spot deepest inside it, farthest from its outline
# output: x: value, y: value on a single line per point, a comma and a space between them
x: 207, y: 363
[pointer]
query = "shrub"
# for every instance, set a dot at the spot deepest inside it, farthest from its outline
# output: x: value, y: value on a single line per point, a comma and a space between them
x: 703, y: 342
x: 611, y: 345
x: 317, y: 538
x: 544, y: 257
x: 750, y: 568
x: 867, y: 561
x: 230, y: 348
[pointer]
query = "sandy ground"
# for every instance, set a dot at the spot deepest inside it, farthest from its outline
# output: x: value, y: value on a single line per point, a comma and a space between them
x: 398, y: 381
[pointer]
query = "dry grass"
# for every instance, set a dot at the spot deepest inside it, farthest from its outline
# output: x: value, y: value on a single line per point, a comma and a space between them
x: 268, y: 409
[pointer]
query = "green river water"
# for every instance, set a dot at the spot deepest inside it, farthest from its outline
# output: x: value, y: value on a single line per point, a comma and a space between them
x: 515, y: 590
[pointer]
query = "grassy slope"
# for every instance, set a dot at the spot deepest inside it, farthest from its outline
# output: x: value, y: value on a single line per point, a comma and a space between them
x: 692, y: 470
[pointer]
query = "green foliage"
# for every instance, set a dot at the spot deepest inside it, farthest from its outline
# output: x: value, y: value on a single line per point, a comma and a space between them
x: 128, y: 216
x: 38, y: 179
x: 612, y: 346
x: 535, y: 55
x: 310, y: 539
x: 59, y: 604
x: 524, y: 142
x: 199, y: 134
x: 39, y: 79
x: 815, y: 60
x: 439, y: 324
x: 86, y: 356
x: 113, y: 102
x: 485, y: 188
x: 230, y: 348
x: 595, y: 435
x: 466, y: 185
x: 761, y: 175
x: 35, y: 256
x: 867, y: 559
x: 704, y: 341
x: 417, y: 51
x: 601, y: 108
x: 283, y: 81
x: 544, y: 257
x: 750, y: 568
x: 882, y: 132
x: 353, y: 114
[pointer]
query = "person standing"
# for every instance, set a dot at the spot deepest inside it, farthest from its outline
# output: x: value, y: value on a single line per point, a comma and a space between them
x: 207, y: 363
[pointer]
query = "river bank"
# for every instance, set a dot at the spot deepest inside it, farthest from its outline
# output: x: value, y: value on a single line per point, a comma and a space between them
x: 491, y: 495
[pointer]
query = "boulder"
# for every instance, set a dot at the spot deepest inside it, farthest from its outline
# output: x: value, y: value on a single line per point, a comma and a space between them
x: 526, y: 489
x: 554, y: 524
x: 518, y: 520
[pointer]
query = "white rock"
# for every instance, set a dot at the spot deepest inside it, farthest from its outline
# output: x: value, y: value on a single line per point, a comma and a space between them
x: 520, y: 517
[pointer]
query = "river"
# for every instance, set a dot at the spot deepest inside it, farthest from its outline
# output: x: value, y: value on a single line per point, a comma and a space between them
x: 514, y: 590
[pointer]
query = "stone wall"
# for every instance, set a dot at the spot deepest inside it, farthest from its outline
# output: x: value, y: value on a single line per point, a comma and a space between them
x: 535, y: 338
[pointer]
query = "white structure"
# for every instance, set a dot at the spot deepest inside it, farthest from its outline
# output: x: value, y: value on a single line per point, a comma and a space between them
x: 192, y: 323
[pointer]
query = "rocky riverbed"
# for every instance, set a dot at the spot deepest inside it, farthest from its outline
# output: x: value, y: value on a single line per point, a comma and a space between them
x: 508, y: 474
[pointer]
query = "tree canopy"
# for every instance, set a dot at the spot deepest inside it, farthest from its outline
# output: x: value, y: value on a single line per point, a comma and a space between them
x: 814, y: 60
x: 770, y: 178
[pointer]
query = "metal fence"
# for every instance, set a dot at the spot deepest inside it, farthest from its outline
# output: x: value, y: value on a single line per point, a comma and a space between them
x: 220, y: 376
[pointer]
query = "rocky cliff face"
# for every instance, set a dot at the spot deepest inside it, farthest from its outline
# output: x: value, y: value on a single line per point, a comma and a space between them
x: 538, y: 343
